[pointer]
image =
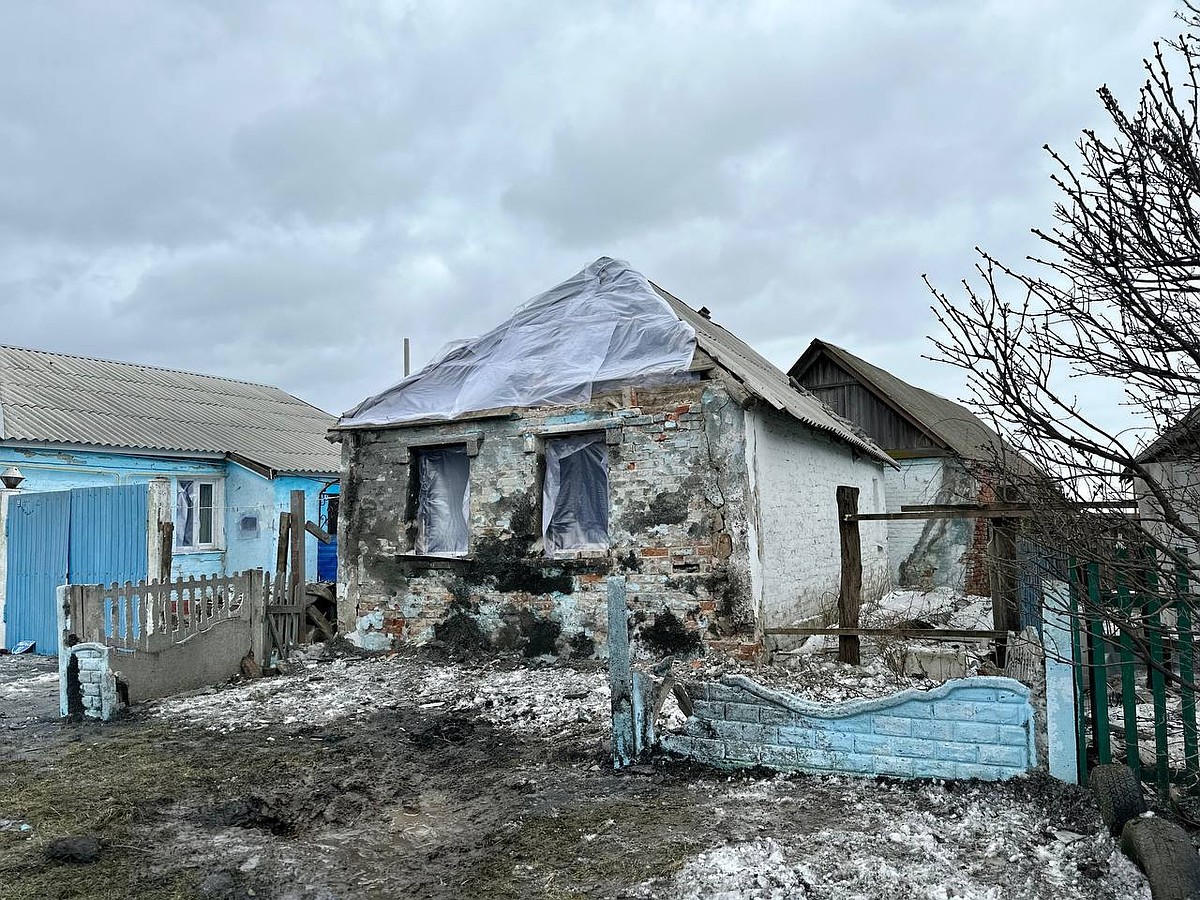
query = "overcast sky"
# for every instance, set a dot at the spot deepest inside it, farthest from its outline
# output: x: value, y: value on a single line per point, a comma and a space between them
x: 281, y: 192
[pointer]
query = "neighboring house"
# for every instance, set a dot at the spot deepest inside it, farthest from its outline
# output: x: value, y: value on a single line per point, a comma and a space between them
x: 946, y: 454
x: 222, y: 455
x: 605, y: 429
x: 1173, y: 461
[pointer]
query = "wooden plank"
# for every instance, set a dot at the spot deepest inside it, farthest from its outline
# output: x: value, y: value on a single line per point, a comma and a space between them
x: 296, y: 573
x: 316, y: 531
x: 932, y: 634
x: 281, y: 548
x: 850, y: 594
x: 1002, y: 571
x: 921, y: 516
x: 166, y: 548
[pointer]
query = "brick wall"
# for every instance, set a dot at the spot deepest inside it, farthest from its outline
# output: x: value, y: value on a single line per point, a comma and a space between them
x: 87, y: 685
x: 678, y: 528
x: 971, y: 728
x: 795, y: 475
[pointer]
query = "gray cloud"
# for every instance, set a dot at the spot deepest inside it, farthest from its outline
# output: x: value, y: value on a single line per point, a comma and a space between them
x: 282, y: 191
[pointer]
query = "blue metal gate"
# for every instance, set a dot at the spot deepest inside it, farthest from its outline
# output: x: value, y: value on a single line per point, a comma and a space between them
x: 39, y: 528
x: 82, y: 536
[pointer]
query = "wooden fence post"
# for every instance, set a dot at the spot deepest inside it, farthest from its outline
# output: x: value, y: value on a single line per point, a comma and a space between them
x: 850, y: 595
x: 256, y: 596
x: 297, y: 574
x: 1006, y: 601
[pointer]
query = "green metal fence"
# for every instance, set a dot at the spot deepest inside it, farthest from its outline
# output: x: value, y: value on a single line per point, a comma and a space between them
x: 1122, y: 623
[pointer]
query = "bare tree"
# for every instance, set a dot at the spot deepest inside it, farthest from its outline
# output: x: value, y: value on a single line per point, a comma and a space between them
x: 1114, y: 296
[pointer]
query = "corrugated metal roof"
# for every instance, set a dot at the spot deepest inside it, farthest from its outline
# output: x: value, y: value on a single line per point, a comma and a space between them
x: 765, y: 381
x: 56, y: 398
x: 951, y: 424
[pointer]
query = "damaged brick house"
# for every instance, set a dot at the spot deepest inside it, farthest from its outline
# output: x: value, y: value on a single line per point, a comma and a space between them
x: 945, y: 454
x: 606, y: 428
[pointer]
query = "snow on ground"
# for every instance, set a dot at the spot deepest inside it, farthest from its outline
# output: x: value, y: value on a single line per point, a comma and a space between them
x: 866, y: 839
x: 544, y: 699
x: 928, y: 842
x: 814, y: 677
x: 940, y: 608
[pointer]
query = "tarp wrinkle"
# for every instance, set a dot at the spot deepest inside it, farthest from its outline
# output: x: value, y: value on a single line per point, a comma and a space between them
x: 605, y: 323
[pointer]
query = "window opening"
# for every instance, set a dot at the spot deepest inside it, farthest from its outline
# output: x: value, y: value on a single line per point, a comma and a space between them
x: 575, y: 493
x: 443, y: 501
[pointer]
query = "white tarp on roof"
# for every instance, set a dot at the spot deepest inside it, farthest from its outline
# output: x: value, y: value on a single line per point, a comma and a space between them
x: 604, y: 324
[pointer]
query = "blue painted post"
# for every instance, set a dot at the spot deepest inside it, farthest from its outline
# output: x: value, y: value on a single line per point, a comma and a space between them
x: 1061, y: 663
x: 620, y: 674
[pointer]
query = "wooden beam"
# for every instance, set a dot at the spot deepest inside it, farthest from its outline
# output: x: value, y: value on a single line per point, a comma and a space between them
x: 318, y: 532
x: 296, y: 573
x: 850, y: 595
x: 933, y: 634
x: 281, y: 547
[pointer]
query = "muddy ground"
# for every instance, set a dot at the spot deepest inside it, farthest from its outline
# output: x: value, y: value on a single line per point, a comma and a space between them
x: 421, y: 777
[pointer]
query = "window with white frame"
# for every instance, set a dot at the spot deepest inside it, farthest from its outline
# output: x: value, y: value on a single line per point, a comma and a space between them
x: 575, y: 493
x: 198, y: 513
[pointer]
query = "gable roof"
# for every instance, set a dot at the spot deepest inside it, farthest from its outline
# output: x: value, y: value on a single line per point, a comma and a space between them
x: 60, y: 399
x: 1180, y: 438
x: 762, y: 379
x: 607, y: 323
x: 951, y: 425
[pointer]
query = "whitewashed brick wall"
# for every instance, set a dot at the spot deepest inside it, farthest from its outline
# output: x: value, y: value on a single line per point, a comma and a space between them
x: 795, y: 474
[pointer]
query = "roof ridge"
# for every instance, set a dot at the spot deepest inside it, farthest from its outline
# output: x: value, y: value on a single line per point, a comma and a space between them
x: 121, y: 362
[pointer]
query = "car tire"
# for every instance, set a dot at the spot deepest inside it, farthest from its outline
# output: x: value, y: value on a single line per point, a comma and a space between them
x: 1118, y: 795
x: 1165, y: 853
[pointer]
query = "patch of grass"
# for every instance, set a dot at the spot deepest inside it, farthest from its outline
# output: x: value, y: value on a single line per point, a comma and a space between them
x: 114, y: 787
x: 605, y: 845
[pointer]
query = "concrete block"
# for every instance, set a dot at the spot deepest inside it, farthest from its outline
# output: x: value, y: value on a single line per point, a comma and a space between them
x: 795, y: 737
x: 935, y: 768
x: 974, y: 733
x: 868, y: 743
x: 702, y: 749
x: 967, y: 753
x: 981, y: 695
x: 1000, y: 755
x: 1013, y: 735
x: 913, y: 709
x: 892, y: 725
x: 773, y: 715
x: 914, y: 749
x: 833, y: 740
x: 895, y: 765
x: 785, y: 758
x: 933, y: 729
x: 972, y: 711
x: 708, y: 709
x: 741, y: 712
x: 986, y: 773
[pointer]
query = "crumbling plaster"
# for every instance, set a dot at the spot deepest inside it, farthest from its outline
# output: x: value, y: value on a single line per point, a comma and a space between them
x: 697, y: 516
x: 677, y: 485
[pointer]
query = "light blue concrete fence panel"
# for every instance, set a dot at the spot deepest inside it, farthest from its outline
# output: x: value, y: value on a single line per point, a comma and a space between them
x: 1062, y: 741
x: 978, y: 727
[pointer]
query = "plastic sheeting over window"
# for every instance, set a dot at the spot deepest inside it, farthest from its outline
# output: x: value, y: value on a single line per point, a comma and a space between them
x: 443, y: 501
x: 604, y: 324
x: 185, y: 513
x: 575, y: 494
